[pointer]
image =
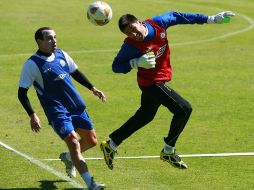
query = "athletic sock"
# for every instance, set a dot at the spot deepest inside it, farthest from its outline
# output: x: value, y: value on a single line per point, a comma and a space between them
x: 112, y: 144
x: 168, y: 149
x: 87, y: 178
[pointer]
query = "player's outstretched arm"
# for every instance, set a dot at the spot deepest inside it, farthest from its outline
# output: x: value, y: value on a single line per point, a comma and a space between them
x: 82, y: 79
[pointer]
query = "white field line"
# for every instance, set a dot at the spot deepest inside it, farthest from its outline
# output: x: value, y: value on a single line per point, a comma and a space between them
x: 185, y: 155
x: 248, y: 19
x: 44, y: 166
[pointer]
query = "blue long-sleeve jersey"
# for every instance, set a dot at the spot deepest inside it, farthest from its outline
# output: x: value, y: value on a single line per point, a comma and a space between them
x: 121, y: 62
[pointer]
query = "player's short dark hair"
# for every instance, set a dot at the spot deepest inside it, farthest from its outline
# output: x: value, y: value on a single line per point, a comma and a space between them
x: 38, y: 34
x: 125, y: 20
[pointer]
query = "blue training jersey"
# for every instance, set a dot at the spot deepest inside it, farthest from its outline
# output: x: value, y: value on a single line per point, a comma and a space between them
x: 121, y: 62
x: 59, y: 95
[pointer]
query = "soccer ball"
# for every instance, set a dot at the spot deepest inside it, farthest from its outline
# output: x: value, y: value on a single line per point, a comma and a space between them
x: 99, y: 13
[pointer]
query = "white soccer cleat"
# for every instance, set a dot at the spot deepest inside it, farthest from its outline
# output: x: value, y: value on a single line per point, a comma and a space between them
x: 69, y: 166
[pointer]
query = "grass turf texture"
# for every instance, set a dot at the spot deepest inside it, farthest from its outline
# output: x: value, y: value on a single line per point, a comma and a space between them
x: 216, y: 77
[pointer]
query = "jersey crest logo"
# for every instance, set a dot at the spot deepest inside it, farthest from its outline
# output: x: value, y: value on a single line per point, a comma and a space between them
x: 62, y: 63
x: 163, y: 35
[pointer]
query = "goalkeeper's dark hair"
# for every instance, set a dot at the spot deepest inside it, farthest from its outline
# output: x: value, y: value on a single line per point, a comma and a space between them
x: 38, y: 34
x: 125, y: 20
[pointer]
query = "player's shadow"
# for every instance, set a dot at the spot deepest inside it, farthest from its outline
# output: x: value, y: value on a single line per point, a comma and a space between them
x: 46, y: 185
x: 50, y: 185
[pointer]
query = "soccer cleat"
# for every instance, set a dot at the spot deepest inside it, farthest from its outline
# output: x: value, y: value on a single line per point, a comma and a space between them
x: 96, y: 186
x: 173, y: 159
x: 69, y: 166
x: 109, y: 154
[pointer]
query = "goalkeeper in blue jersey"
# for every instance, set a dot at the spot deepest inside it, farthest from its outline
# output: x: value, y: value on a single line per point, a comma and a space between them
x: 146, y: 49
x: 50, y: 71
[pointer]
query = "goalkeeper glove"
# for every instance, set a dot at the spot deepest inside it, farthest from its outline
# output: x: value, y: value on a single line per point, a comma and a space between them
x: 223, y: 17
x: 146, y: 61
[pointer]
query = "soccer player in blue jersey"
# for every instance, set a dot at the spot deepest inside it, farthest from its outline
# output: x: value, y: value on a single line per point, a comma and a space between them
x: 146, y: 49
x: 50, y: 71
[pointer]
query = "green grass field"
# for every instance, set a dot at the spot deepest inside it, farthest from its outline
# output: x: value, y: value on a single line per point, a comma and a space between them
x: 213, y: 69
